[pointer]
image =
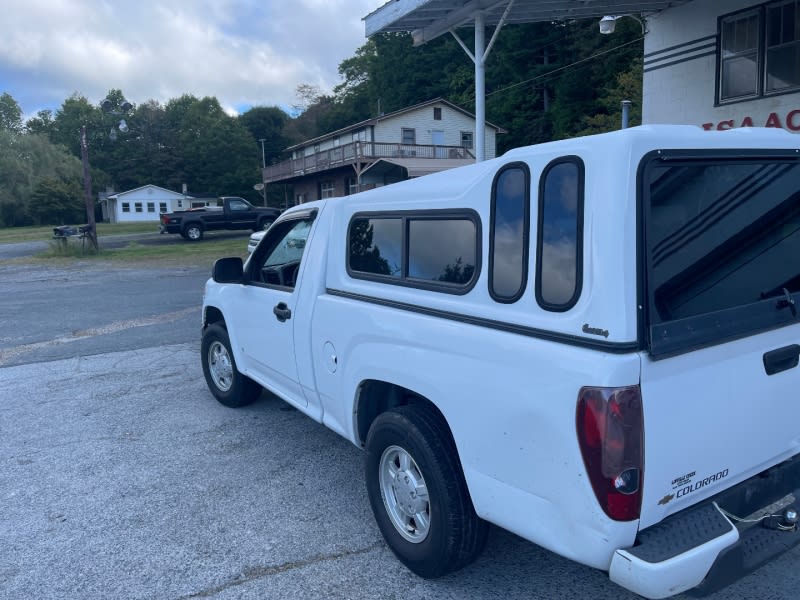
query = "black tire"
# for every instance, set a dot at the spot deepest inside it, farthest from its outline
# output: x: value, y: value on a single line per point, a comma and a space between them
x: 193, y: 232
x: 454, y: 535
x: 265, y: 223
x: 229, y: 386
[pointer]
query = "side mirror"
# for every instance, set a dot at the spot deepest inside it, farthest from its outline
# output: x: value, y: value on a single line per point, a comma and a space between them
x: 228, y: 270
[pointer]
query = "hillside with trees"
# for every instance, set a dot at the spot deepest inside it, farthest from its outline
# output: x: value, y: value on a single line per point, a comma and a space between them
x: 544, y: 81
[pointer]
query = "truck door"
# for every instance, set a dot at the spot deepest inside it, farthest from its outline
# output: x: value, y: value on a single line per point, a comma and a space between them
x: 263, y: 314
x: 240, y: 214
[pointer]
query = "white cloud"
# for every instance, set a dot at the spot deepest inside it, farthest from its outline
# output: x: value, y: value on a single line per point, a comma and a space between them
x: 244, y: 52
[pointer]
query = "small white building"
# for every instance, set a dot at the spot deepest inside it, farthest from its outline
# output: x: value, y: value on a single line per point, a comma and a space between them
x: 142, y: 204
x: 722, y: 65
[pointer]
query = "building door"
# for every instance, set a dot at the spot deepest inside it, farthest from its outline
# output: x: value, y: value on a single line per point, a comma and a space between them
x: 437, y: 139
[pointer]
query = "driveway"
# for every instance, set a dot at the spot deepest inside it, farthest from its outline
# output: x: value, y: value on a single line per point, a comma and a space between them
x: 122, y: 477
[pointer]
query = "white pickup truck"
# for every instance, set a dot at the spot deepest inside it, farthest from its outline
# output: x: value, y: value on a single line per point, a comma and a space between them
x: 592, y: 343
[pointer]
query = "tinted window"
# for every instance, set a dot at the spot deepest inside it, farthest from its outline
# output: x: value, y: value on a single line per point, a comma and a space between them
x: 376, y: 246
x: 442, y: 250
x: 721, y: 234
x: 560, y: 243
x: 508, y: 255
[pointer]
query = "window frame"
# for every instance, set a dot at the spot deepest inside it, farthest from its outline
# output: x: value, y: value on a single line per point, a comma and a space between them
x: 526, y: 235
x: 761, y: 57
x: 403, y: 131
x: 126, y: 207
x: 471, y: 137
x: 437, y: 113
x: 664, y: 339
x: 404, y: 280
x: 137, y: 206
x: 579, y: 217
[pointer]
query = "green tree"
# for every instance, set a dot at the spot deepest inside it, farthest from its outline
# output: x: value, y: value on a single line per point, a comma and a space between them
x: 10, y: 114
x: 267, y: 123
x: 24, y: 161
x: 57, y: 201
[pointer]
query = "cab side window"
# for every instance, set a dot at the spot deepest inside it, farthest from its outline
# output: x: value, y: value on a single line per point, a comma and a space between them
x: 277, y: 259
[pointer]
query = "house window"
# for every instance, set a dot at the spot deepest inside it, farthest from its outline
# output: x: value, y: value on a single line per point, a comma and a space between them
x: 466, y: 139
x: 759, y: 51
x: 560, y: 241
x: 316, y: 148
x: 162, y: 207
x: 437, y: 113
x: 138, y: 206
x: 782, y: 62
x: 326, y: 189
x: 126, y: 207
x: 151, y: 207
x: 409, y: 136
x: 180, y: 203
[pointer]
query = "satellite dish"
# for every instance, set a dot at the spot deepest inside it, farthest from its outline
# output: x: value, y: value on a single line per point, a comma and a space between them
x: 258, y: 187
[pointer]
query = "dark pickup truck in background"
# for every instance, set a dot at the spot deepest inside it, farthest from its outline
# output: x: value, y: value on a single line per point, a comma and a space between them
x: 235, y: 213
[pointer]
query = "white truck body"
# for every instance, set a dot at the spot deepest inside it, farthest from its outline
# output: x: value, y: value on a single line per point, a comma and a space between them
x: 505, y: 371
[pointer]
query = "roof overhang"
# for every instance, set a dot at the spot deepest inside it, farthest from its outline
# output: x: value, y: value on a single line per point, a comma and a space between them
x: 428, y: 19
x: 416, y: 167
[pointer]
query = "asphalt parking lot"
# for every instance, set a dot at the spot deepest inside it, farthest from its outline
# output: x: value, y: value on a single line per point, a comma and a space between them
x: 121, y: 477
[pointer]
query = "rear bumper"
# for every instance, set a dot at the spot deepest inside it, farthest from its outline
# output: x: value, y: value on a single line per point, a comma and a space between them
x: 702, y: 550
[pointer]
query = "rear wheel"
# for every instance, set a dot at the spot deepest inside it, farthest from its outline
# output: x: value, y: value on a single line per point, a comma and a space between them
x: 229, y: 387
x: 418, y: 493
x: 193, y: 232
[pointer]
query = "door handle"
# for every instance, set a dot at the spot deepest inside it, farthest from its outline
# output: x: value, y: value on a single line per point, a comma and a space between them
x: 282, y: 312
x: 781, y: 359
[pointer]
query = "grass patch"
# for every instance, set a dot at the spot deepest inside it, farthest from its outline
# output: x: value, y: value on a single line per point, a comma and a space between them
x: 188, y: 254
x: 11, y: 235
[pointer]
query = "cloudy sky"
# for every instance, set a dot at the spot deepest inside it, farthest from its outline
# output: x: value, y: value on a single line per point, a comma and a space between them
x: 244, y: 52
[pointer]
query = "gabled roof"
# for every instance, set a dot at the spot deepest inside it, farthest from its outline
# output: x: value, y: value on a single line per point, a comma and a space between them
x: 391, y: 115
x: 149, y: 185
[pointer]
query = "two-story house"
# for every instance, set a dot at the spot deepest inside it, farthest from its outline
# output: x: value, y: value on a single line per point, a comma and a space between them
x: 426, y: 138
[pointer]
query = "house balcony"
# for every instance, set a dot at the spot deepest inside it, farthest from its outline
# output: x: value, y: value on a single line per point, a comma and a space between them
x: 358, y: 152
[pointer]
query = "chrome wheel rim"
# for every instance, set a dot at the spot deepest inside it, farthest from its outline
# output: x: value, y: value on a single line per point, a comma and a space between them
x: 220, y: 366
x: 193, y: 233
x: 404, y: 494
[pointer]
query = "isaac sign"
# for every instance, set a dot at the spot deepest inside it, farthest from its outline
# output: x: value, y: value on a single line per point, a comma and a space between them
x: 789, y: 121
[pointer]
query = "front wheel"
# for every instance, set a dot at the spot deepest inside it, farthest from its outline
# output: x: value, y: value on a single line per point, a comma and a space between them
x: 418, y: 493
x: 229, y: 387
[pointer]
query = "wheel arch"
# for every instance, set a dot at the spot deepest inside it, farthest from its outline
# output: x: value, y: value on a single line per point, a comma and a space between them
x: 375, y: 396
x: 213, y: 315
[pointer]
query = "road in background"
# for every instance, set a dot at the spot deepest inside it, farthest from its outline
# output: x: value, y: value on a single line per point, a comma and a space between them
x: 122, y: 477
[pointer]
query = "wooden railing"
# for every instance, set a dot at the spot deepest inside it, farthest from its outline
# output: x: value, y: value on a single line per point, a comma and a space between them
x: 355, y: 152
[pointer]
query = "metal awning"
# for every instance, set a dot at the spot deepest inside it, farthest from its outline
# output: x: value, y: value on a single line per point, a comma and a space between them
x: 428, y: 19
x: 416, y: 167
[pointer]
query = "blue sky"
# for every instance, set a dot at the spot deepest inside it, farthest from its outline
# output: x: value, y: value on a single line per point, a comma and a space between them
x: 244, y: 52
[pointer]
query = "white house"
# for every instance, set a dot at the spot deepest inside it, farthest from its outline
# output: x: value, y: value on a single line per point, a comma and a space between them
x: 724, y: 64
x: 144, y: 203
x: 425, y: 138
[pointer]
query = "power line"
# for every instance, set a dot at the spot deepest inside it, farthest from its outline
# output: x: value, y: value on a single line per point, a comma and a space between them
x: 565, y: 67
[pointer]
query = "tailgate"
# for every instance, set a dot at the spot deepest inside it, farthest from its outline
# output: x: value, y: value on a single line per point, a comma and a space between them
x: 713, y: 418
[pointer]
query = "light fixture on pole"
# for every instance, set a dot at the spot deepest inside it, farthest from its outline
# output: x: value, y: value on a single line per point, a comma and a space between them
x: 609, y: 23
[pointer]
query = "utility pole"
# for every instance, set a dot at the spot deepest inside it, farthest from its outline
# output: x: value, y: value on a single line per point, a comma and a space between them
x: 87, y: 190
x: 263, y: 167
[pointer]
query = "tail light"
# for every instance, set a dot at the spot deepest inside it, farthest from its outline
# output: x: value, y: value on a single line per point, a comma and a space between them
x: 611, y: 437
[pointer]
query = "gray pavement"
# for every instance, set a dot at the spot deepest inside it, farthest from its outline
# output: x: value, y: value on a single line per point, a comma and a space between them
x: 122, y: 477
